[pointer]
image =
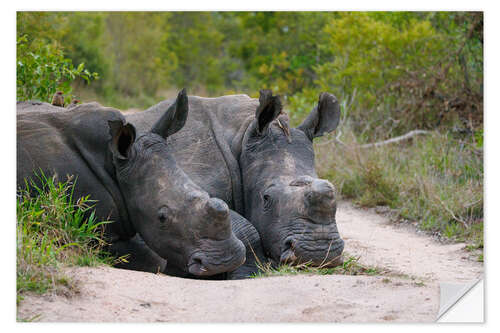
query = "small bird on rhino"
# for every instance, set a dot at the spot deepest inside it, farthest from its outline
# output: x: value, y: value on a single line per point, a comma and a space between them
x: 58, y: 99
x: 73, y: 103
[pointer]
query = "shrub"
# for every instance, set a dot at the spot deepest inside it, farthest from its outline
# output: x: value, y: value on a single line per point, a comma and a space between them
x: 45, y: 70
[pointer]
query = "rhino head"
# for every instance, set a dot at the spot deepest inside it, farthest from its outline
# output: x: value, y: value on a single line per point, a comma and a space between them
x: 293, y: 210
x: 174, y: 216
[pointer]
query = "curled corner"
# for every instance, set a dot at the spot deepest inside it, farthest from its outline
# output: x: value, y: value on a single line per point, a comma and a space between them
x: 461, y: 302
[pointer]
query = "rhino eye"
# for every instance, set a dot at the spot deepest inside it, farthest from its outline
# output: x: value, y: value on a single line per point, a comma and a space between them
x: 267, y: 201
x: 163, y: 217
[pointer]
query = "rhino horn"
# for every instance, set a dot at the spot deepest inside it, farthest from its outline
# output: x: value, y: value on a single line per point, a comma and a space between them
x: 217, y: 209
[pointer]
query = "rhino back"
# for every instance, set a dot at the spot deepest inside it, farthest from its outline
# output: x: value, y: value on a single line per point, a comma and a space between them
x: 57, y: 137
x: 70, y: 143
x: 202, y: 147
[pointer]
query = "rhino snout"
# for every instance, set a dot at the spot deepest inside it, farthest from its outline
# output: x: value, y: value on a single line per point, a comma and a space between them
x: 324, y: 254
x: 216, y: 257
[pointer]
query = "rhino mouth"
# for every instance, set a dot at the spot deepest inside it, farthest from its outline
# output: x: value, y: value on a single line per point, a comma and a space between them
x: 316, y: 244
x: 324, y: 256
x: 215, y: 261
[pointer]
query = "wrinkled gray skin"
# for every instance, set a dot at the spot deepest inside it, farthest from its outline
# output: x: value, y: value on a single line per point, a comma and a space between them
x: 292, y: 209
x: 135, y: 179
x: 233, y: 147
x: 242, y: 229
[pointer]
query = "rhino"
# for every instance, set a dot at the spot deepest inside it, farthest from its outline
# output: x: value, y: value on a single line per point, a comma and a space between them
x: 243, y: 151
x: 135, y: 179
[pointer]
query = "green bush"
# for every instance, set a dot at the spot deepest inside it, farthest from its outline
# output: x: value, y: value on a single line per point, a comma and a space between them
x: 422, y: 69
x: 404, y: 68
x: 43, y: 71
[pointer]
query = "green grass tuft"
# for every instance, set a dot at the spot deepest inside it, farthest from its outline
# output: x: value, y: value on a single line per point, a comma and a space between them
x: 54, y: 230
x: 350, y: 266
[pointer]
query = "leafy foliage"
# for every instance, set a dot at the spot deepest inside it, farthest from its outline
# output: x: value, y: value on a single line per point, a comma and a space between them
x: 43, y: 72
x: 407, y: 69
x: 421, y: 69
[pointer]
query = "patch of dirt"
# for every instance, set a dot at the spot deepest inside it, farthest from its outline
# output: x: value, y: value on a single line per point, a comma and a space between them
x: 114, y: 295
x: 401, y: 248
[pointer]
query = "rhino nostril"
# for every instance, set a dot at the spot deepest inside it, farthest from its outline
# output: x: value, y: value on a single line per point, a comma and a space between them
x: 197, y: 261
x: 288, y: 244
x: 196, y: 266
x: 287, y: 252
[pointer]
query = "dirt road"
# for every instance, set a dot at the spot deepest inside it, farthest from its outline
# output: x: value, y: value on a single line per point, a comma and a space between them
x: 408, y: 293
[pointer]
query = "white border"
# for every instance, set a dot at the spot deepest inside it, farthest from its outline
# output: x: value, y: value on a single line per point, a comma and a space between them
x: 492, y: 142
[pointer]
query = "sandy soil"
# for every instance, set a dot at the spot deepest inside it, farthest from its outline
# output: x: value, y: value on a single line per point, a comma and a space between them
x: 409, y: 292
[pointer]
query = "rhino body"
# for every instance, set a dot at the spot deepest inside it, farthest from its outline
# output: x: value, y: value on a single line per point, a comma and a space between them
x: 135, y: 180
x: 203, y: 147
x: 242, y: 150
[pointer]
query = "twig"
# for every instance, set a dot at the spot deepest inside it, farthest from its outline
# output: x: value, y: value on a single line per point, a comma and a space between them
x: 473, y: 203
x: 331, y: 141
x: 377, y: 144
x: 451, y: 213
x: 335, y: 139
x: 396, y: 139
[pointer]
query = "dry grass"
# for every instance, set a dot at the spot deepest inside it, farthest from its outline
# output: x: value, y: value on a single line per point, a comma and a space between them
x: 350, y: 266
x: 435, y: 179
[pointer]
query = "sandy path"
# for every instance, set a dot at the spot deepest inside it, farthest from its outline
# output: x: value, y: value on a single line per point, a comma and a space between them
x: 402, y: 249
x: 113, y: 295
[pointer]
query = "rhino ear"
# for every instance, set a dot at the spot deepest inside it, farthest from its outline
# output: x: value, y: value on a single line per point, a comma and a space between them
x: 269, y: 108
x: 174, y: 118
x: 122, y: 138
x: 324, y: 118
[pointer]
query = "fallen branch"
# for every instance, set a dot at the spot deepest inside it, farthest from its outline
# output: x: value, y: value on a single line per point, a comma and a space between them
x: 376, y: 144
x: 396, y: 139
x: 465, y: 224
x: 324, y: 143
x: 335, y: 139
